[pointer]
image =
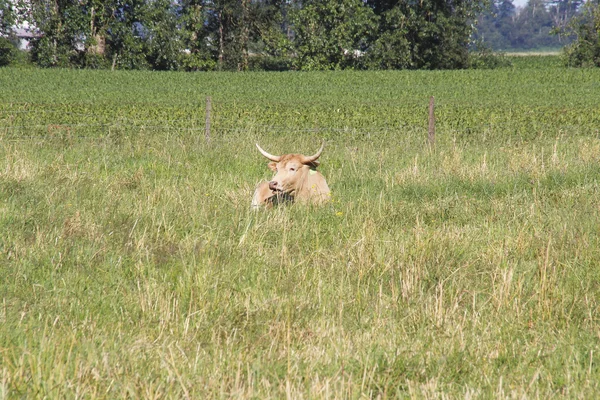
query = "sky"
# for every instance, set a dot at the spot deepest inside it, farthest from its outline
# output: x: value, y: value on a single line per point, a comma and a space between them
x: 519, y: 3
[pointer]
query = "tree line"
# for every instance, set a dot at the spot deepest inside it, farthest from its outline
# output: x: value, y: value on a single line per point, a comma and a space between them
x: 249, y: 34
x: 573, y: 25
x: 539, y: 24
x: 240, y: 35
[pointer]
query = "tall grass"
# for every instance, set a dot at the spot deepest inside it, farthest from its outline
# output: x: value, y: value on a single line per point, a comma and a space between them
x: 133, y: 266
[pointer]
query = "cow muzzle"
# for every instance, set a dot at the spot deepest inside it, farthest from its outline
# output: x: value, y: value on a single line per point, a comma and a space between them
x: 275, y: 187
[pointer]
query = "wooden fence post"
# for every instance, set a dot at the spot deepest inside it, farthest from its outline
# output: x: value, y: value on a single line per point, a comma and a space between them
x: 431, y: 135
x: 207, y: 123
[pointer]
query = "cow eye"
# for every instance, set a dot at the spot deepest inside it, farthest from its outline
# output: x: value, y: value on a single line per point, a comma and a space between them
x: 292, y: 169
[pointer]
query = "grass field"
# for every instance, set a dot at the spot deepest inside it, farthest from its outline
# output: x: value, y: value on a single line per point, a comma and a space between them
x: 132, y: 265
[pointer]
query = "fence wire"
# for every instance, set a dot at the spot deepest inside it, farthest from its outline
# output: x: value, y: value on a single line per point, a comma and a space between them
x: 62, y: 128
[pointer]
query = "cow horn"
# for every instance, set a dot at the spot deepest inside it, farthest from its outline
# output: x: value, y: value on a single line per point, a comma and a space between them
x: 269, y: 156
x: 313, y: 158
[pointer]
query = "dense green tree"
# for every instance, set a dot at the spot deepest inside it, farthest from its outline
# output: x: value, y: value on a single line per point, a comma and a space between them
x: 331, y: 34
x: 8, y: 18
x: 391, y: 48
x: 79, y: 32
x: 441, y: 32
x: 91, y: 33
x: 237, y: 28
x: 225, y: 21
x: 244, y: 34
x: 384, y: 34
x: 7, y: 51
x: 585, y: 49
x: 127, y: 35
x: 97, y: 17
x: 164, y: 35
x: 56, y: 45
x: 198, y: 52
x: 271, y: 34
x: 430, y: 34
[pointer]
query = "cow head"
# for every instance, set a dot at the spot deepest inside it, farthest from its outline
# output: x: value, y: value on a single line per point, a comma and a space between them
x: 291, y: 170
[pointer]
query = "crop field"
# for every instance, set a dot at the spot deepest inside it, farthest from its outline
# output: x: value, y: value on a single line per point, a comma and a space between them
x: 131, y: 264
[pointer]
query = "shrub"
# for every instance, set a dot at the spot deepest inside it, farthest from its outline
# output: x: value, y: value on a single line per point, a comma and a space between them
x: 585, y: 50
x: 482, y: 57
x: 8, y: 51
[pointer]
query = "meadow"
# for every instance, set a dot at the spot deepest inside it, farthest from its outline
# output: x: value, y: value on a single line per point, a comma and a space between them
x: 131, y: 264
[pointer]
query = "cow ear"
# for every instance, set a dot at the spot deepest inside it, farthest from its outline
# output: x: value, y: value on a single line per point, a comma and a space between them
x: 273, y: 166
x: 313, y: 164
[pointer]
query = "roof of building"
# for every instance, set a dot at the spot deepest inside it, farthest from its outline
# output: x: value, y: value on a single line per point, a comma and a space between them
x: 23, y: 33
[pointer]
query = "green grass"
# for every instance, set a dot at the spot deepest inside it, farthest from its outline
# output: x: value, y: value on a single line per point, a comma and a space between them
x: 132, y: 265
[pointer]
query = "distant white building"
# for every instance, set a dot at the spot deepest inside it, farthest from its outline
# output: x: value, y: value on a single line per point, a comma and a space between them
x: 23, y: 30
x: 24, y: 36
